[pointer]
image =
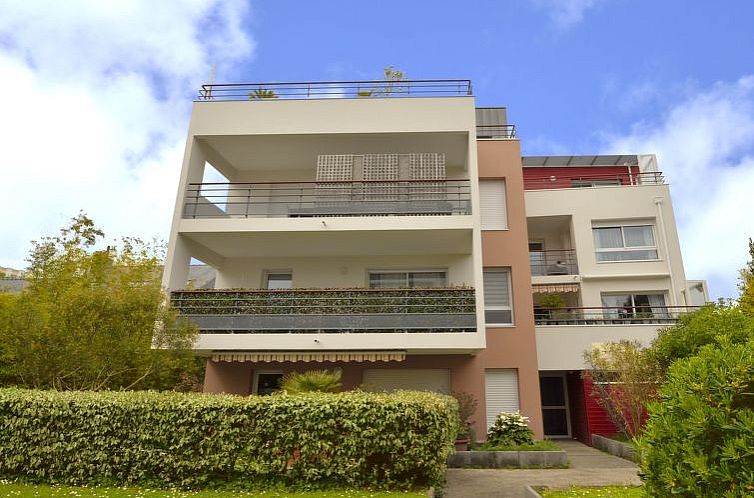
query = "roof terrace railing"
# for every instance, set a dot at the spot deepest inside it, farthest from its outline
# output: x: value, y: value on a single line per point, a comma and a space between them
x: 334, y: 90
x: 496, y: 131
x: 594, y: 180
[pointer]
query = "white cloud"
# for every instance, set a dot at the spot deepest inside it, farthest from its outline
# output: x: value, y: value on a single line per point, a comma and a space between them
x: 565, y: 13
x: 96, y: 102
x: 705, y: 147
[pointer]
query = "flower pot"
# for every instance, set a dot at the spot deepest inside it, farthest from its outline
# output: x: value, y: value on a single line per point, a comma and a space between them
x: 462, y: 444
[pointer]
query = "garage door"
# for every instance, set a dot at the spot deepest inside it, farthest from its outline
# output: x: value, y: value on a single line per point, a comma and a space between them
x: 501, y: 392
x: 415, y: 379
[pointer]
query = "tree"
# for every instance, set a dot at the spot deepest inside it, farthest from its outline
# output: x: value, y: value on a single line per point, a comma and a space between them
x: 710, y: 324
x: 624, y: 378
x: 746, y: 284
x: 86, y: 319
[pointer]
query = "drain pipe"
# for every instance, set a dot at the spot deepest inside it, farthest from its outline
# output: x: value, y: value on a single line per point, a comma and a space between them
x: 663, y: 234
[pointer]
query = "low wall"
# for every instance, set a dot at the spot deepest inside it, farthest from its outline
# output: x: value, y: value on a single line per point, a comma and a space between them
x: 617, y: 448
x: 507, y: 459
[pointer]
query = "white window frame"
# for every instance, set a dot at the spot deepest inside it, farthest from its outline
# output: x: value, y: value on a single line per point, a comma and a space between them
x: 625, y: 248
x: 406, y: 272
x: 266, y: 277
x: 257, y: 373
x: 635, y: 309
x: 509, y: 307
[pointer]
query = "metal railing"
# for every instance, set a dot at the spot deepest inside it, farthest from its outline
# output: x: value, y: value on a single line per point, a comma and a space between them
x: 610, y: 315
x: 495, y: 131
x: 554, y: 262
x: 322, y: 199
x: 595, y: 180
x: 329, y: 310
x: 335, y: 89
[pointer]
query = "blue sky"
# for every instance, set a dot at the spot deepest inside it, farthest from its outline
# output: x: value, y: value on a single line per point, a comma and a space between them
x: 673, y: 78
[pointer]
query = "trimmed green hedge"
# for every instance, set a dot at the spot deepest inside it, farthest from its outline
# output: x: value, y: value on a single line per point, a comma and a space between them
x: 399, y: 440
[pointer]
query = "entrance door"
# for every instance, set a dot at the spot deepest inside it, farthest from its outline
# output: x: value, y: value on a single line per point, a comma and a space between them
x: 267, y: 382
x: 555, y: 415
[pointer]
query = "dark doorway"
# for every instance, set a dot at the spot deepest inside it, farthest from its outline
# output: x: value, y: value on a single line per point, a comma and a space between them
x: 554, y: 405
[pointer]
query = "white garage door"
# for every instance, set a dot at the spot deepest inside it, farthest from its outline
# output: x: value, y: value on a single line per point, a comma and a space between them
x: 501, y: 392
x: 415, y: 379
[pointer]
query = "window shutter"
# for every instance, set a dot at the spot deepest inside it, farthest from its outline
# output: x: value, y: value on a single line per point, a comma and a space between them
x: 497, y: 296
x: 415, y: 379
x: 500, y: 392
x: 494, y: 215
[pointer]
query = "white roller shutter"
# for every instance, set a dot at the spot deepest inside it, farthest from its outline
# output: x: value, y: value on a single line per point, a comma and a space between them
x: 500, y: 392
x: 414, y: 379
x: 494, y: 215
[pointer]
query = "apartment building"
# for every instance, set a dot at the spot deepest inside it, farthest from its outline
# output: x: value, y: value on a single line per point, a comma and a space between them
x: 392, y: 230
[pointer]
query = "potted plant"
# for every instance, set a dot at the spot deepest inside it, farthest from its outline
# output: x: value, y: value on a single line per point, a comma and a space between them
x: 552, y: 302
x: 467, y: 404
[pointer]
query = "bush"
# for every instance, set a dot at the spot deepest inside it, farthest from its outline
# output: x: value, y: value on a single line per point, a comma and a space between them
x: 510, y: 429
x: 322, y: 381
x: 699, y: 440
x: 359, y: 439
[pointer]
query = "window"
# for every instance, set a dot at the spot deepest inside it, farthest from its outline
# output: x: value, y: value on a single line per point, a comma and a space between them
x: 634, y: 305
x: 278, y: 280
x: 497, y: 296
x: 492, y: 205
x: 407, y: 279
x: 624, y: 243
x: 267, y: 382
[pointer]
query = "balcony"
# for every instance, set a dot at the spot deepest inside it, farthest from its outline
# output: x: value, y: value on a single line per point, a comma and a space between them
x: 596, y: 316
x: 328, y: 199
x: 549, y: 178
x: 554, y: 262
x: 497, y: 131
x: 329, y: 311
x: 334, y: 90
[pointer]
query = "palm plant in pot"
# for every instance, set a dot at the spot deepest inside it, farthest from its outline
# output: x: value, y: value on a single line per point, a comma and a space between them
x: 467, y: 404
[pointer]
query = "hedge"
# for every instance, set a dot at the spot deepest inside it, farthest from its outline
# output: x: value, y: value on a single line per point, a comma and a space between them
x: 699, y: 440
x: 191, y: 441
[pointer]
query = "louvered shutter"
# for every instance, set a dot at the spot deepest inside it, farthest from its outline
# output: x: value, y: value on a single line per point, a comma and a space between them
x: 494, y: 214
x: 415, y: 379
x: 497, y: 296
x: 500, y: 392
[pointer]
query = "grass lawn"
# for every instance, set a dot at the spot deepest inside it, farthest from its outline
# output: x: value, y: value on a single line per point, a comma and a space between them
x: 598, y: 492
x: 8, y: 489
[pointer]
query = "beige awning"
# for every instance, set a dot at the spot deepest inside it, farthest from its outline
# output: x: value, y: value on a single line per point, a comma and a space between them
x: 269, y: 356
x: 554, y: 288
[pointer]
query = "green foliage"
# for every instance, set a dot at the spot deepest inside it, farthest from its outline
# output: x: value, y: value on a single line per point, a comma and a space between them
x: 625, y: 377
x: 393, y: 83
x: 262, y: 93
x: 699, y: 440
x: 510, y: 429
x: 711, y: 324
x: 544, y: 445
x: 192, y: 440
x: 322, y: 381
x: 467, y: 405
x: 551, y: 301
x: 21, y: 490
x: 86, y: 319
x: 746, y: 284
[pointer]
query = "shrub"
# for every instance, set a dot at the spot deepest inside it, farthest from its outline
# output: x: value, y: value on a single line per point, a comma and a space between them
x: 322, y: 381
x: 359, y: 439
x: 510, y: 429
x: 467, y: 404
x: 699, y: 440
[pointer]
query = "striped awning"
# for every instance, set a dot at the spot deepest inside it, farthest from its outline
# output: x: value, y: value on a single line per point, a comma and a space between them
x: 554, y: 288
x: 306, y: 356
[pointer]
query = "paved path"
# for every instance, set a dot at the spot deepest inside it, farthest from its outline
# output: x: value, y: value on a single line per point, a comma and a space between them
x: 589, y: 467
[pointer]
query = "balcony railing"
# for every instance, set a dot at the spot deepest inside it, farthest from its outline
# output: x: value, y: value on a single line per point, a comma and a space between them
x: 310, y: 199
x: 555, y: 262
x: 595, y: 180
x: 611, y: 316
x: 329, y: 310
x: 335, y: 89
x: 495, y: 131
